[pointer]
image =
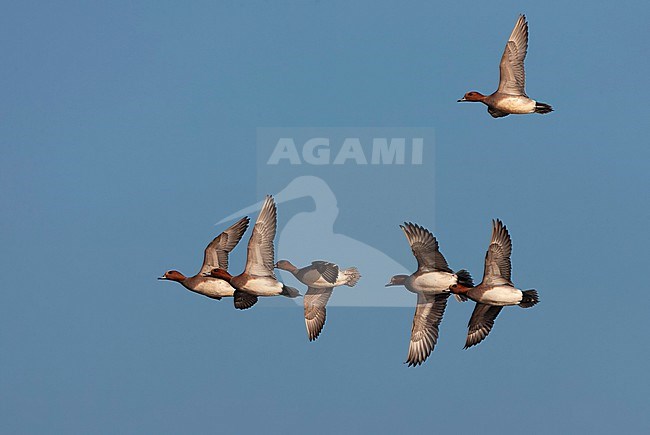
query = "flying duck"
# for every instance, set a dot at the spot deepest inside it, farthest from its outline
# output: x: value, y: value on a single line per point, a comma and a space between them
x: 496, y: 290
x: 320, y: 278
x: 258, y: 278
x: 215, y: 256
x: 431, y: 282
x: 511, y: 96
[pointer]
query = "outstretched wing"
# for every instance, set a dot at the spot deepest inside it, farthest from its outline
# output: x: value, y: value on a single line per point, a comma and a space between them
x: 497, y: 259
x: 315, y: 301
x: 425, y: 248
x: 329, y: 271
x: 512, y: 78
x: 243, y: 300
x: 424, y: 334
x: 216, y: 253
x: 480, y: 324
x: 496, y: 113
x: 260, y: 246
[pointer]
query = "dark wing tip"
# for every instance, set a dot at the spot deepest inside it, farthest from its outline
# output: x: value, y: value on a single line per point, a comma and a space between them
x: 243, y: 301
x: 315, y: 318
x: 500, y: 229
x: 472, y: 342
x: 314, y: 331
x: 329, y: 271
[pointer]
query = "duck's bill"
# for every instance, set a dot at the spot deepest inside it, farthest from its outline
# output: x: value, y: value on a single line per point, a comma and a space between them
x: 162, y: 277
x: 461, y: 100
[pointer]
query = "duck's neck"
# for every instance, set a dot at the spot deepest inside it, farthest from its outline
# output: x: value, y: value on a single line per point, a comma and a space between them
x: 460, y: 289
x: 221, y: 274
x: 289, y: 267
x: 399, y: 280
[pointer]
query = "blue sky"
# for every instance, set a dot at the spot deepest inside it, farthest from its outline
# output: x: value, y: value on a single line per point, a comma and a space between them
x: 128, y: 129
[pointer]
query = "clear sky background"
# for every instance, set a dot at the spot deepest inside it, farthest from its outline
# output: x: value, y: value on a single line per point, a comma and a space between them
x: 127, y: 129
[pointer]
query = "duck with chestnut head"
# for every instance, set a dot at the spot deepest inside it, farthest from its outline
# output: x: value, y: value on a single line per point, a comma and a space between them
x: 496, y: 290
x: 510, y: 97
x: 258, y: 278
x: 214, y: 256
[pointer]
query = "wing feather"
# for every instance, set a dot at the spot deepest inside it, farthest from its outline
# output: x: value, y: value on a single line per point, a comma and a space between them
x: 512, y: 79
x: 424, y: 333
x: 216, y: 253
x: 496, y: 113
x: 497, y: 258
x: 261, y: 254
x: 315, y: 301
x: 480, y: 324
x: 425, y: 248
x: 329, y: 271
x: 243, y: 300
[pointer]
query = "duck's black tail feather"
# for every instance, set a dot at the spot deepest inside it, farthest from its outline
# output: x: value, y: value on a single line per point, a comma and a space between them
x: 464, y: 278
x: 289, y: 292
x: 529, y: 298
x: 542, y: 108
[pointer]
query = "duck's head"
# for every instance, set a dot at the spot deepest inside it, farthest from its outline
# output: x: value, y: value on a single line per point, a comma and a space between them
x: 397, y: 280
x: 459, y: 289
x: 285, y: 265
x: 173, y: 275
x: 472, y: 96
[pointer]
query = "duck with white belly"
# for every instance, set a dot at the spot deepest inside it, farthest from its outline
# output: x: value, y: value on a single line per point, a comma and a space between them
x: 496, y: 290
x: 214, y: 256
x: 320, y: 277
x: 431, y: 282
x: 258, y: 278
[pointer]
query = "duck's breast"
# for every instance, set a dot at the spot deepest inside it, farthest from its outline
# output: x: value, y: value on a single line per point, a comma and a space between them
x: 265, y: 286
x: 212, y: 287
x: 514, y: 104
x: 501, y: 295
x: 431, y: 282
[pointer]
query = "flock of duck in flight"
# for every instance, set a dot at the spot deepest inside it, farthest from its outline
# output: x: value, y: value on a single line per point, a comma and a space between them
x: 433, y: 282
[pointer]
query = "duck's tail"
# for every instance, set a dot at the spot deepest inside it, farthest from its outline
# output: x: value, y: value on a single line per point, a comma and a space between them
x: 542, y: 108
x: 289, y: 292
x: 352, y: 276
x: 529, y: 298
x: 465, y: 278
